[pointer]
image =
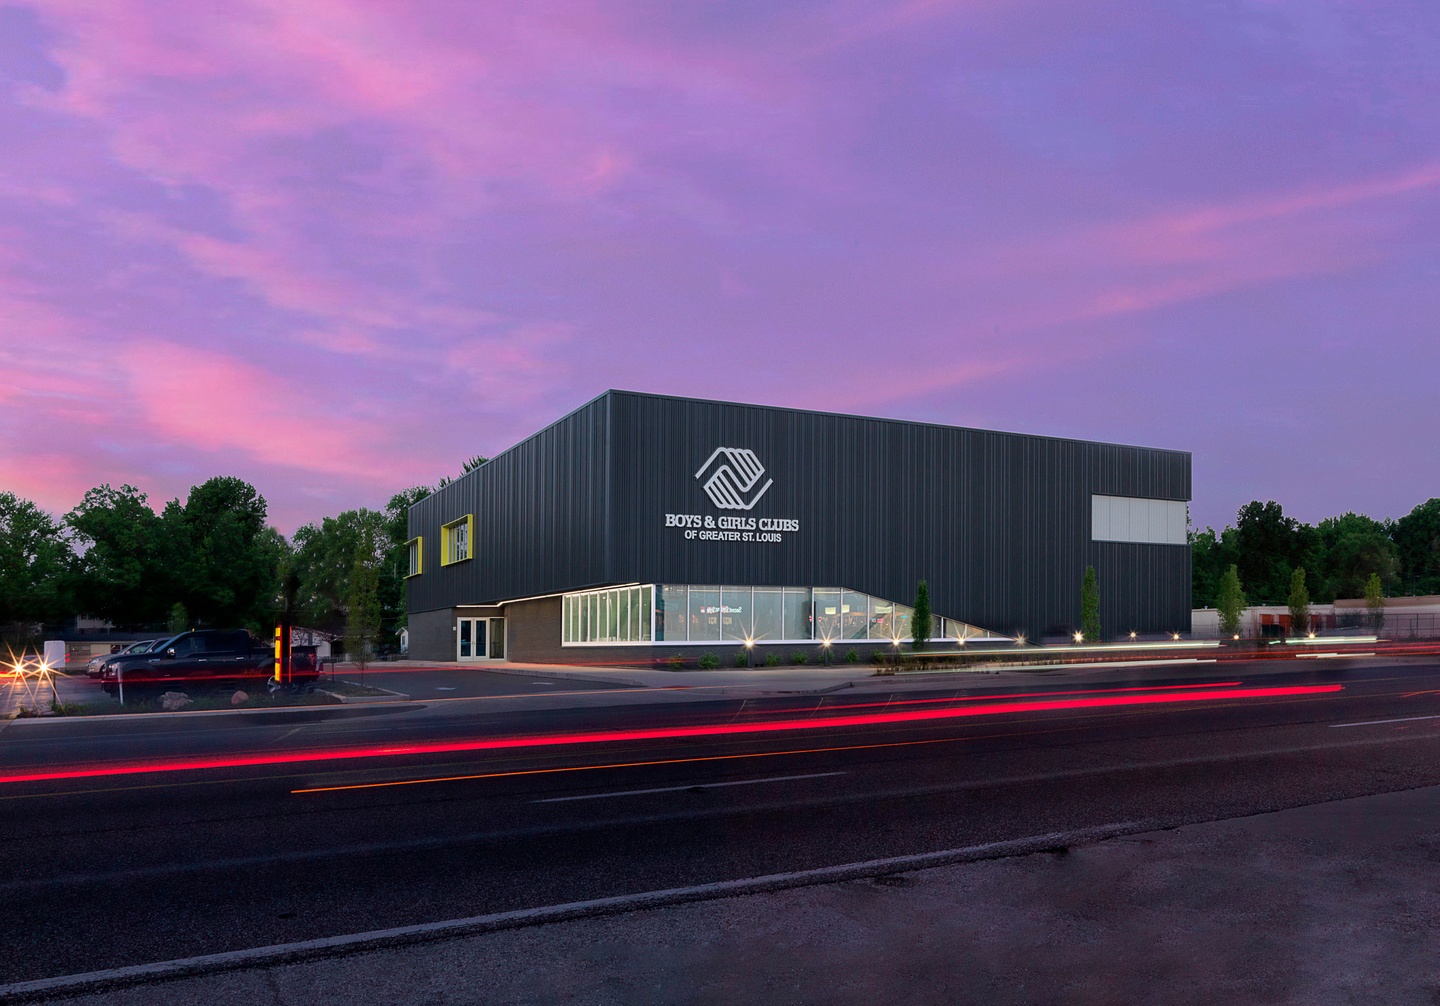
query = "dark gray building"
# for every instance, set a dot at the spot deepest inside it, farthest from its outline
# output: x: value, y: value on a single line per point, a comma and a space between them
x: 642, y: 526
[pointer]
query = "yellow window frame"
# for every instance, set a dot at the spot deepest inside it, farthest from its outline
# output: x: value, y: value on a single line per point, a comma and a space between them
x: 469, y: 521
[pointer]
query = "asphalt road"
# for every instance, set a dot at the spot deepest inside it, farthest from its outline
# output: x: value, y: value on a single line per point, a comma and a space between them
x: 335, y: 825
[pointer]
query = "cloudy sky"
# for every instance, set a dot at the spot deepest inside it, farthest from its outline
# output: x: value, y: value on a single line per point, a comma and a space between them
x: 337, y: 247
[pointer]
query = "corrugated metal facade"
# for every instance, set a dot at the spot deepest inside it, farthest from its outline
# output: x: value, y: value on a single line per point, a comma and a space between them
x: 998, y: 523
x: 540, y: 511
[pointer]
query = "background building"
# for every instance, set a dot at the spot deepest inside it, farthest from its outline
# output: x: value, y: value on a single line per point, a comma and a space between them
x: 641, y: 526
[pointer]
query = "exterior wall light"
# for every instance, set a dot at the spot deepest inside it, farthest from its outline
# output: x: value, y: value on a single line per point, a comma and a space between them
x: 749, y: 643
x: 826, y: 644
x: 1079, y: 637
x: 1020, y: 640
x: 1132, y: 635
x: 1175, y: 636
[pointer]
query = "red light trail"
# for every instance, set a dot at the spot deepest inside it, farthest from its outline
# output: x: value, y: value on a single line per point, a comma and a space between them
x: 988, y: 698
x: 658, y: 733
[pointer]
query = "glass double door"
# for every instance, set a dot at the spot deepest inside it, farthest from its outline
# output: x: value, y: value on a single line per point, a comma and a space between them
x: 480, y: 639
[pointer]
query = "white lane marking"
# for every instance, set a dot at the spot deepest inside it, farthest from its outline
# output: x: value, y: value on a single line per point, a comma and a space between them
x: 681, y: 789
x: 444, y: 688
x: 1372, y: 723
x: 291, y: 953
x: 288, y: 733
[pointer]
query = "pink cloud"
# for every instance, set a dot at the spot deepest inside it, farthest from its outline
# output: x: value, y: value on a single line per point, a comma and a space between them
x: 219, y: 403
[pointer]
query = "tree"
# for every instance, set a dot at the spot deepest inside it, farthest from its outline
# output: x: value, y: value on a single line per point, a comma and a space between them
x: 1269, y: 546
x: 228, y: 564
x: 323, y: 560
x: 362, y: 604
x: 1354, y: 547
x: 397, y: 565
x: 1375, y: 602
x: 122, y: 574
x: 1230, y: 601
x: 1299, y: 602
x: 1207, y: 553
x: 922, y: 623
x: 35, y: 563
x: 1090, y: 606
x: 466, y: 467
x: 179, y: 619
x: 1417, y: 548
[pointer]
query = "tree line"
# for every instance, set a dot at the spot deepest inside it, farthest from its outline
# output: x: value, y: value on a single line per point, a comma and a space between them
x: 209, y: 561
x: 1341, y: 557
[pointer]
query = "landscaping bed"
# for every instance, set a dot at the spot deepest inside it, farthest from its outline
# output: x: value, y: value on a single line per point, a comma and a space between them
x: 253, y: 700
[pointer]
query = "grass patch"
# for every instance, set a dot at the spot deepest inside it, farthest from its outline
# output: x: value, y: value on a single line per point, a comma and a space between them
x: 201, y: 703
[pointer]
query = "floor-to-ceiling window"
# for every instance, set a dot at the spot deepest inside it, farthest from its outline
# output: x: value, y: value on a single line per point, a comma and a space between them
x: 708, y: 613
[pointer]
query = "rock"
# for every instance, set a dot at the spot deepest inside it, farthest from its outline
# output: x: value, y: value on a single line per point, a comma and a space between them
x: 239, y: 698
x: 172, y: 701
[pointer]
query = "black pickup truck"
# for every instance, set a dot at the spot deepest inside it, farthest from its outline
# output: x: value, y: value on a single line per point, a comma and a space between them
x: 202, y: 660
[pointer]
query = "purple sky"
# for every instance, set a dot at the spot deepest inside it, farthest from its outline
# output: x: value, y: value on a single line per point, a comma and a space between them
x: 337, y: 247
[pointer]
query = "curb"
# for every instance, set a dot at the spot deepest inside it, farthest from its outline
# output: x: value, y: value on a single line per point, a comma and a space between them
x: 147, y: 717
x: 607, y: 678
x: 68, y: 986
x: 388, y: 696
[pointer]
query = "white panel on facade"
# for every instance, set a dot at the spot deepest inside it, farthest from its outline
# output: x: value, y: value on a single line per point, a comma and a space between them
x: 1148, y: 521
x: 1140, y: 520
x: 1100, y: 518
x: 1179, y: 518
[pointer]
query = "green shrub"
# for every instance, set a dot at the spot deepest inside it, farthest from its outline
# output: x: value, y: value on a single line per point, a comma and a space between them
x: 772, y: 660
x: 742, y: 658
x: 800, y: 657
x: 708, y: 661
x: 851, y: 656
x: 676, y: 662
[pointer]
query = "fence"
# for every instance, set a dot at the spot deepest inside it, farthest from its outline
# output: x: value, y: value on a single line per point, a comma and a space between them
x: 1397, y: 625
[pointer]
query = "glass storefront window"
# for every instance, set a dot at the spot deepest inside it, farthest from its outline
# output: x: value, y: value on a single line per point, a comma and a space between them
x: 854, y: 615
x: 881, y: 619
x: 769, y: 608
x: 670, y: 614
x: 827, y: 614
x: 683, y: 613
x: 705, y: 613
x: 902, y: 621
x: 735, y: 613
x: 797, y: 613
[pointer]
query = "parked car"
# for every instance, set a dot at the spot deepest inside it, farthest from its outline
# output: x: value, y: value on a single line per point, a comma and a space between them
x: 93, y: 668
x: 201, y: 660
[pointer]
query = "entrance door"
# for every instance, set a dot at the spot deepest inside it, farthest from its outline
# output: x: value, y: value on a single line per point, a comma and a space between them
x: 479, y: 639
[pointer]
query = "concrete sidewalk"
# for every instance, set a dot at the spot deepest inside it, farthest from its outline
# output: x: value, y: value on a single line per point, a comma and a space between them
x: 1333, y: 903
x: 818, y: 680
